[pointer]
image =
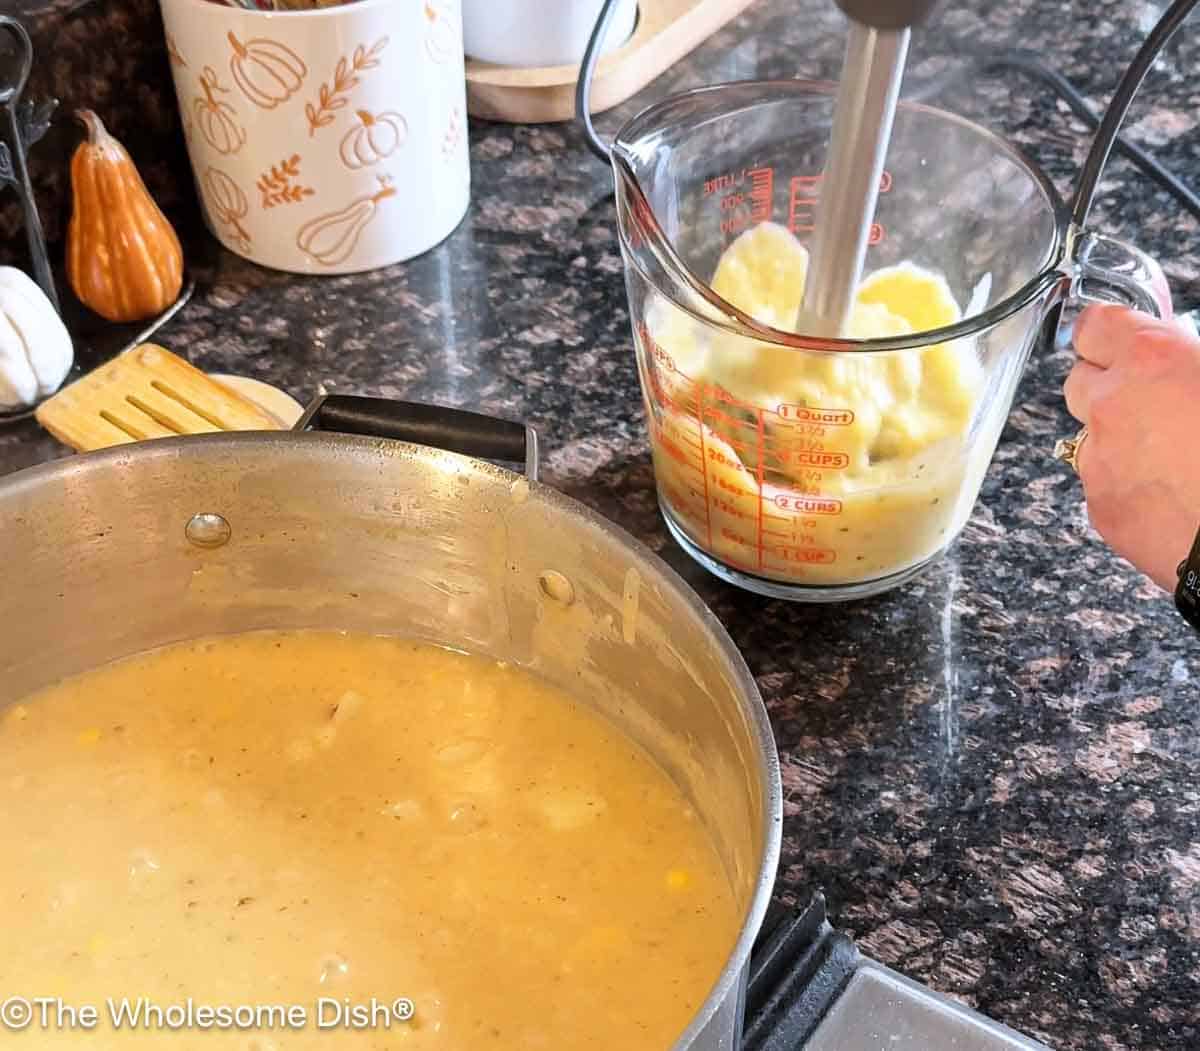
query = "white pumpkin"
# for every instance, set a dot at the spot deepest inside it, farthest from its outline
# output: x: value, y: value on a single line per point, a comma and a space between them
x: 35, y: 348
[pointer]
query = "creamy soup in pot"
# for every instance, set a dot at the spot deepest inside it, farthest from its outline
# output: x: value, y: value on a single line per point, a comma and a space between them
x: 331, y: 823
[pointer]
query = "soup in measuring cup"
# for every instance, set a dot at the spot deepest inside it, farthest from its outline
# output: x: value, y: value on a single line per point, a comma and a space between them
x: 822, y: 469
x: 335, y: 821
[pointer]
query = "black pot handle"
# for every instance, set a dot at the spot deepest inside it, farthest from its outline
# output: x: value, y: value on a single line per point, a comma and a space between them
x: 454, y: 430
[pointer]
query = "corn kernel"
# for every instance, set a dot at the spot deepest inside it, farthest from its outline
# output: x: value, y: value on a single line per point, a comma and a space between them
x: 90, y: 736
x: 97, y: 943
x: 677, y: 879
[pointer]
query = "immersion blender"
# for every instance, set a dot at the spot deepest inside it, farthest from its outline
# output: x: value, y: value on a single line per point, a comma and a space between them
x: 862, y: 127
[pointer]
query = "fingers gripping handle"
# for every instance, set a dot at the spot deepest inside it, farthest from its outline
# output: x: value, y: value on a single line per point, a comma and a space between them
x: 454, y: 430
x: 1110, y: 271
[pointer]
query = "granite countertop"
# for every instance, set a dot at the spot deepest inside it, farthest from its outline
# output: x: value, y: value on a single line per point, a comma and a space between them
x: 993, y: 774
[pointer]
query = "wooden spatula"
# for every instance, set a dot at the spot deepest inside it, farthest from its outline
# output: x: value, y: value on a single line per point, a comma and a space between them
x: 147, y: 392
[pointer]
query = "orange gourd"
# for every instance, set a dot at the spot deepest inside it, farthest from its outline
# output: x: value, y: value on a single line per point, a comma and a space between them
x: 124, y: 260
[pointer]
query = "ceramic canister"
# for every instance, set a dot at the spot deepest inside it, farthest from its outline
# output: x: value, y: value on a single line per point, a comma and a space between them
x: 325, y: 141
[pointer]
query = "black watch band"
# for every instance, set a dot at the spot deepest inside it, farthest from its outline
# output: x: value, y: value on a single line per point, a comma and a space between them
x: 1187, y: 591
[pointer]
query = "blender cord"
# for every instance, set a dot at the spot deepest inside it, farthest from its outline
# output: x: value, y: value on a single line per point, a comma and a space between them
x: 1114, y: 116
x: 1019, y: 60
x: 583, y: 86
x: 1106, y: 128
x: 1027, y: 63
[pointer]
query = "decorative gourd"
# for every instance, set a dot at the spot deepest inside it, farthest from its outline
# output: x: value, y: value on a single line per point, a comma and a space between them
x: 217, y: 119
x: 35, y: 347
x: 267, y: 72
x: 331, y: 239
x: 375, y: 137
x: 123, y: 257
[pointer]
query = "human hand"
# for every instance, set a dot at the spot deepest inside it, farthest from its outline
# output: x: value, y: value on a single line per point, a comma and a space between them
x: 1137, y: 388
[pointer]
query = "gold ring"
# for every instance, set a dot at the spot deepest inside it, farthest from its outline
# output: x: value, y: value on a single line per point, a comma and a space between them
x: 1067, y: 449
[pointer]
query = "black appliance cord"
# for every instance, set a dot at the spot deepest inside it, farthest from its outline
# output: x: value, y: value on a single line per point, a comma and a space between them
x: 583, y: 86
x: 1106, y: 128
x: 1114, y: 116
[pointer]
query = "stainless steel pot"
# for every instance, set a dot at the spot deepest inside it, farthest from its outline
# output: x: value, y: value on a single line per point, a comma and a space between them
x: 133, y: 547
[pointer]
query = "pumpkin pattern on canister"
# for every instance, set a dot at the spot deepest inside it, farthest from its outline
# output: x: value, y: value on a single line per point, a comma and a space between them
x: 173, y: 54
x: 228, y: 205
x: 217, y: 119
x: 331, y: 239
x: 332, y: 96
x: 443, y: 37
x: 267, y: 72
x: 454, y: 135
x: 374, y: 137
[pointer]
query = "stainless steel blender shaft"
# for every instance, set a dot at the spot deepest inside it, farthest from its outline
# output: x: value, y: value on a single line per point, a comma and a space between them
x: 862, y: 128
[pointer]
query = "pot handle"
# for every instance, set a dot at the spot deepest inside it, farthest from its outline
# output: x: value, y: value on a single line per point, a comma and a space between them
x: 454, y: 430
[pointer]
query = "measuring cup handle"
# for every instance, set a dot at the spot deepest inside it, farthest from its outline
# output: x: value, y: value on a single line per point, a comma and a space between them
x: 455, y: 430
x: 1110, y: 271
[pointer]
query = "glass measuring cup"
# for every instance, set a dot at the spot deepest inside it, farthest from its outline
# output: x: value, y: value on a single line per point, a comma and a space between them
x: 817, y: 469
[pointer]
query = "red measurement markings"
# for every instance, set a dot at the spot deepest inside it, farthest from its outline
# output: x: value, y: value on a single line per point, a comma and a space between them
x: 760, y: 458
x: 813, y: 556
x: 674, y: 451
x: 804, y: 191
x: 661, y: 358
x: 721, y: 183
x: 688, y: 503
x: 733, y: 443
x: 719, y: 457
x: 704, y: 463
x: 803, y: 194
x: 741, y: 206
x: 824, y: 460
x: 762, y: 193
x: 713, y: 413
x: 732, y: 487
x: 639, y: 220
x: 807, y: 505
x: 669, y: 398
x: 730, y: 508
x: 677, y: 499
x: 734, y: 537
x: 658, y: 360
x: 807, y: 454
x: 811, y: 414
x: 721, y: 395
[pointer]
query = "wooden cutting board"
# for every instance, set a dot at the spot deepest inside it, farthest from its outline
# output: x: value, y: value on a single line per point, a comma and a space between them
x: 666, y: 31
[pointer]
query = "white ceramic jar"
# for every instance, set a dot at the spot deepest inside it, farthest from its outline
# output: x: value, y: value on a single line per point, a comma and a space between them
x: 540, y: 32
x: 327, y: 141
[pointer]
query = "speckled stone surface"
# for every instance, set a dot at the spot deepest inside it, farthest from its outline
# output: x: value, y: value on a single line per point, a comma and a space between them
x: 111, y: 58
x: 994, y: 774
